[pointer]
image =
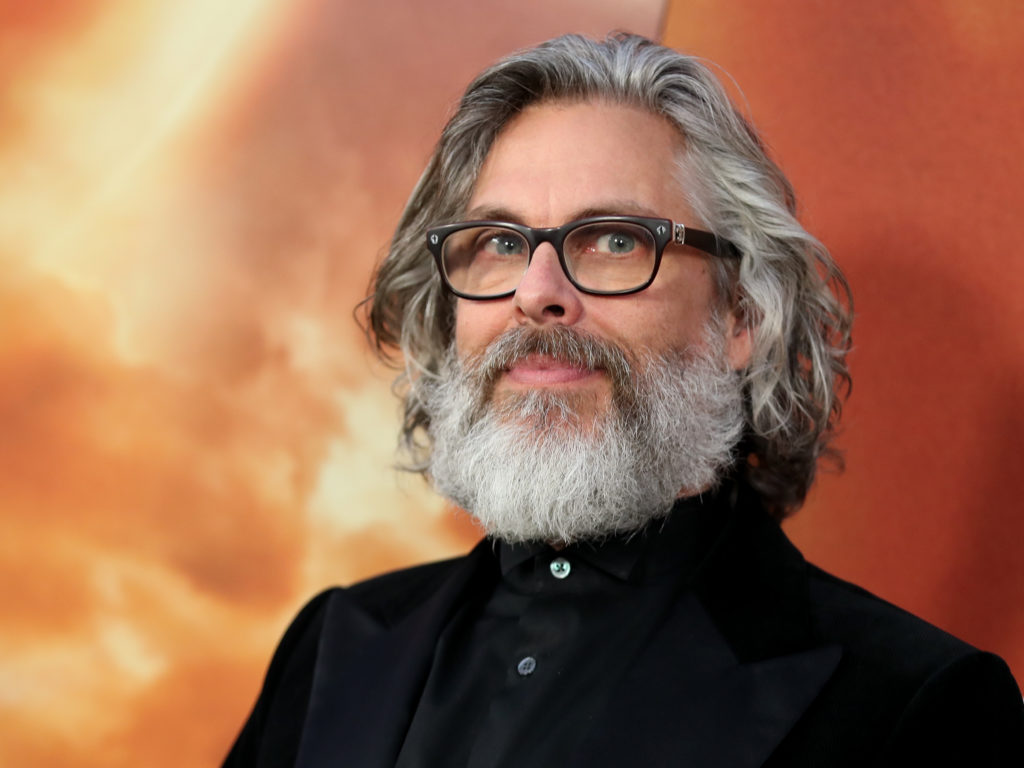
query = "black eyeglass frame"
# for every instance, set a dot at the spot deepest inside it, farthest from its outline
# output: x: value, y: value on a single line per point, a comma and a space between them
x: 664, y: 231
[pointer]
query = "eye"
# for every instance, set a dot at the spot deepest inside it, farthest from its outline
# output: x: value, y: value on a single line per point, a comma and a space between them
x: 616, y: 242
x: 500, y: 244
x: 506, y: 246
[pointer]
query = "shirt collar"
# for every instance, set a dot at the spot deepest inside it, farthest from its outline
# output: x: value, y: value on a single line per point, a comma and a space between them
x: 676, y: 543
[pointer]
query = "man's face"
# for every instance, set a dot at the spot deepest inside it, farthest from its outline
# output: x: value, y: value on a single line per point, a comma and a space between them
x: 563, y: 416
x: 559, y: 162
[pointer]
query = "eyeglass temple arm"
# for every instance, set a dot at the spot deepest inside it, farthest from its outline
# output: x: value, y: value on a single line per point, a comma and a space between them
x: 705, y: 241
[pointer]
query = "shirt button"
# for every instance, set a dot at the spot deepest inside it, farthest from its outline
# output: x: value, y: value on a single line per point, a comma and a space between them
x: 526, y: 666
x: 560, y: 567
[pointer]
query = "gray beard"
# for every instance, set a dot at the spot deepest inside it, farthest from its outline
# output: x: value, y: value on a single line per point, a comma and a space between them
x: 528, y: 467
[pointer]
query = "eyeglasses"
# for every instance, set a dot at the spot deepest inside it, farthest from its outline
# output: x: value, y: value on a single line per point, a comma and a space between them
x: 604, y: 255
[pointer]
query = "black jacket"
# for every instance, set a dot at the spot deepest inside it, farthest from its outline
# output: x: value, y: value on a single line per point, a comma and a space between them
x: 764, y: 661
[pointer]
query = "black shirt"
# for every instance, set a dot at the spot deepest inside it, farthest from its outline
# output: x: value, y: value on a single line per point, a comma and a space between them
x: 517, y: 678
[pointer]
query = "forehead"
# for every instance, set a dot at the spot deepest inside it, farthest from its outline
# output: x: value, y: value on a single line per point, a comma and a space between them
x: 557, y: 161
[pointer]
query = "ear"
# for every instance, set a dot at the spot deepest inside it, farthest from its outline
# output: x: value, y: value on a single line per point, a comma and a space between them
x: 739, y: 341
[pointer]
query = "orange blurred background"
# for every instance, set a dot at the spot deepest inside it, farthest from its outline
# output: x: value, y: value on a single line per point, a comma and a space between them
x: 193, y: 439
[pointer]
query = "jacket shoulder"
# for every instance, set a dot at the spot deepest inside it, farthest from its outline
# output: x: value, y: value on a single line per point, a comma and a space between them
x: 271, y: 735
x: 905, y: 691
x: 390, y: 596
x: 873, y: 627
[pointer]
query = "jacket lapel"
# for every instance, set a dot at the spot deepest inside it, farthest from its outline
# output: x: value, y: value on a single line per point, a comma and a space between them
x: 689, y: 701
x: 734, y: 665
x: 368, y: 677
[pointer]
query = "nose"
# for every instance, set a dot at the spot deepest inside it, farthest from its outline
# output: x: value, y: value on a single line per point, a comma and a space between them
x: 545, y: 295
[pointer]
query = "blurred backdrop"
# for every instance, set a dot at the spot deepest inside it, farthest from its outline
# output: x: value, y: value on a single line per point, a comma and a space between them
x: 193, y: 438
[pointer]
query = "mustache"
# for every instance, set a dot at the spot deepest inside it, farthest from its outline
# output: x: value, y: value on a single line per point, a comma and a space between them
x: 560, y: 342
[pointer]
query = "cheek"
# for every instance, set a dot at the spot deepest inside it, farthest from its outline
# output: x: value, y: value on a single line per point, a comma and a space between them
x: 477, y: 323
x: 671, y: 313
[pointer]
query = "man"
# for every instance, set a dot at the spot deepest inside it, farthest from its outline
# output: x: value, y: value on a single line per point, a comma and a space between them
x: 624, y: 357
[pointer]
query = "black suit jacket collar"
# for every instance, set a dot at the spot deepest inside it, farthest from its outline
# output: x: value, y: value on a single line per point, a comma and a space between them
x: 729, y: 673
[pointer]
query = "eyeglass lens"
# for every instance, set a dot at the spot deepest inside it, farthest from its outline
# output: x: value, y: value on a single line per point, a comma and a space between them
x: 603, y: 256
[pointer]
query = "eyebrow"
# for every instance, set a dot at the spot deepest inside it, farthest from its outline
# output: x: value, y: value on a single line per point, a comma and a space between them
x: 603, y: 208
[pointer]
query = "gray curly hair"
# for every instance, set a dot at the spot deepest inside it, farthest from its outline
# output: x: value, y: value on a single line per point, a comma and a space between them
x: 786, y: 287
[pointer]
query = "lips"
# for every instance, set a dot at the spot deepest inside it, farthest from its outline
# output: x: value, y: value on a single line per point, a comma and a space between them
x: 559, y: 357
x: 544, y: 370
